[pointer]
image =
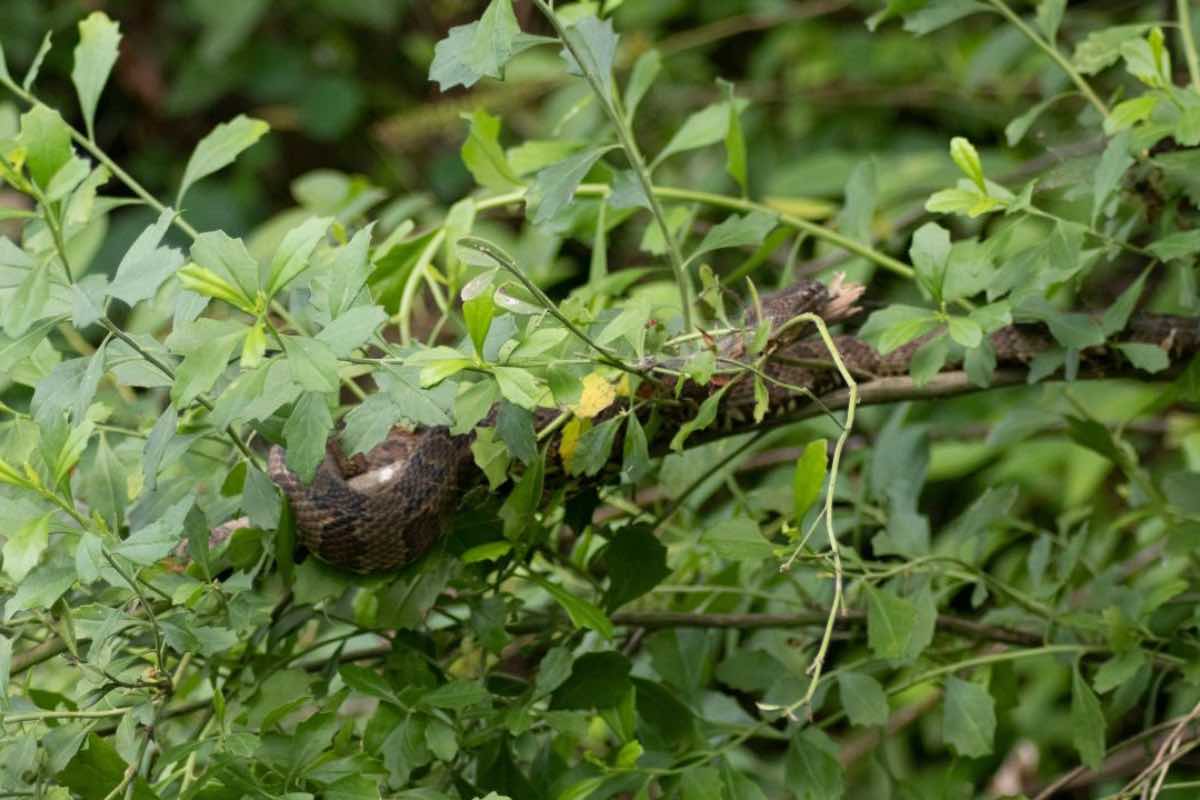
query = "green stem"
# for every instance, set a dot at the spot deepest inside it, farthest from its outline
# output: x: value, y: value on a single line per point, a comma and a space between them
x: 977, y: 661
x: 1184, y: 12
x: 102, y: 157
x: 40, y: 716
x: 403, y: 315
x: 834, y: 466
x: 153, y: 360
x: 629, y: 145
x: 1049, y: 49
x: 505, y: 261
x: 817, y: 231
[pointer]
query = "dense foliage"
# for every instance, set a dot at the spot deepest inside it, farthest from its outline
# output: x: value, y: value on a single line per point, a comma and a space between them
x: 894, y: 594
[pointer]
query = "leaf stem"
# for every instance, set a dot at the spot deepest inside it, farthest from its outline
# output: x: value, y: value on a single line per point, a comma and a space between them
x: 1184, y: 12
x: 45, y: 715
x: 628, y: 143
x: 505, y: 261
x: 817, y: 231
x: 1049, y: 49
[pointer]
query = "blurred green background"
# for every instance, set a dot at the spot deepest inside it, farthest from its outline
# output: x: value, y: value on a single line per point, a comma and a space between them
x: 343, y: 84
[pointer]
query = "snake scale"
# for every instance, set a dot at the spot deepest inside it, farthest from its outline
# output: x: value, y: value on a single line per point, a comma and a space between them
x: 381, y: 510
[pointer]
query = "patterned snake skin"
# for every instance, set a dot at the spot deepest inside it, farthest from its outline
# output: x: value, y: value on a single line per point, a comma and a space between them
x: 380, y: 511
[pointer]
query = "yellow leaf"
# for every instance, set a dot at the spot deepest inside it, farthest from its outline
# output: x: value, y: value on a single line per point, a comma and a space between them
x: 570, y: 440
x: 597, y: 395
x: 810, y: 208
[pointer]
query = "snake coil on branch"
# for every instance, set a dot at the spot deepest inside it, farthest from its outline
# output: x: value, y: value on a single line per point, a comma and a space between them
x: 381, y: 510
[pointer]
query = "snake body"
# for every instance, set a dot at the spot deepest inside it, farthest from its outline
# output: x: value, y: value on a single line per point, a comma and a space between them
x: 379, y: 511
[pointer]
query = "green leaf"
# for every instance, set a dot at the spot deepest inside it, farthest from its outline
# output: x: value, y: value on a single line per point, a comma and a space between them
x: 596, y: 45
x: 47, y: 142
x: 154, y: 541
x: 350, y: 329
x: 930, y: 252
x: 1113, y: 163
x: 35, y: 66
x: 6, y: 654
x: 597, y: 680
x: 594, y: 447
x: 352, y: 787
x: 23, y: 548
x: 700, y: 783
x: 514, y: 425
x: 812, y: 766
x: 897, y: 325
x: 184, y: 636
x: 535, y: 154
x: 482, y: 155
x: 196, y: 278
x: 478, y: 313
x: 456, y: 694
x: 1049, y: 17
x: 14, y: 350
x: 553, y: 671
x: 312, y: 363
x: 203, y: 365
x: 808, y: 478
x: 1181, y: 244
x: 969, y: 718
x: 964, y: 155
x: 965, y: 331
x: 582, y: 613
x: 1187, y: 129
x: 1102, y: 48
x: 30, y: 303
x: 1119, y: 669
x: 707, y: 126
x: 482, y: 48
x: 106, y: 481
x: 863, y: 699
x: 735, y: 143
x: 306, y: 432
x: 986, y: 511
x: 554, y: 187
x: 97, y: 770
x: 704, y: 417
x: 736, y: 231
x: 146, y: 265
x: 219, y: 149
x: 229, y: 259
x: 929, y: 359
x: 637, y: 562
x: 1087, y: 721
x: 1015, y: 131
x: 1147, y: 357
x: 890, y: 623
x: 644, y: 71
x: 41, y: 588
x: 522, y: 503
x: 491, y: 551
x: 295, y: 253
x: 1130, y: 112
x: 635, y: 462
x: 518, y: 385
x: 99, y: 38
x: 938, y: 14
x: 738, y: 539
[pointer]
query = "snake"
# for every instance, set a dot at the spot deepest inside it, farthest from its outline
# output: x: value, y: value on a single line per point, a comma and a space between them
x: 379, y: 511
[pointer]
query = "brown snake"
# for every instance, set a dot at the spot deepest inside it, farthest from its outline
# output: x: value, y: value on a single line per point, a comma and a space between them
x: 382, y: 510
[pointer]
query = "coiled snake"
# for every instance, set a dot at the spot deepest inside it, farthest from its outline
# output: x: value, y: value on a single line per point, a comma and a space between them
x: 382, y: 510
